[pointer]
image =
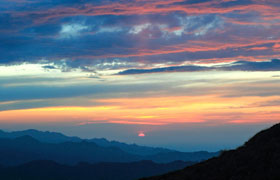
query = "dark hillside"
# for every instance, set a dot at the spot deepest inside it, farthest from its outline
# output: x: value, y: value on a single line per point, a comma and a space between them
x: 257, y: 159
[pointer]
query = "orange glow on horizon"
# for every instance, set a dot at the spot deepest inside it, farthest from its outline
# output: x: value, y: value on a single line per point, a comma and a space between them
x: 154, y: 111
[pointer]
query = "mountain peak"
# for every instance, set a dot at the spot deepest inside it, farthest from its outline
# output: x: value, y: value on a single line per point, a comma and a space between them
x: 31, y: 130
x: 266, y: 136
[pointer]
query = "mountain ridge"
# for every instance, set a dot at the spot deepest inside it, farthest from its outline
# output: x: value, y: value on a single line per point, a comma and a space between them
x: 26, y: 148
x: 30, y: 149
x: 257, y: 159
x: 160, y: 155
x: 55, y: 137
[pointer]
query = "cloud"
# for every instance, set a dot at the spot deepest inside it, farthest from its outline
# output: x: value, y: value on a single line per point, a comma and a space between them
x: 200, y: 25
x: 49, y: 67
x: 109, y: 30
x: 40, y: 90
x: 142, y: 7
x: 165, y: 69
x: 273, y: 65
x: 90, y: 35
x: 71, y: 30
x: 139, y: 28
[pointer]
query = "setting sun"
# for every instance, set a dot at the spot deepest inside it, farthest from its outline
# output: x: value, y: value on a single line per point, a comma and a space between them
x: 141, y: 134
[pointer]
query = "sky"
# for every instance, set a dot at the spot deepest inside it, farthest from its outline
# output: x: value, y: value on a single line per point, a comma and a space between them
x: 183, y: 74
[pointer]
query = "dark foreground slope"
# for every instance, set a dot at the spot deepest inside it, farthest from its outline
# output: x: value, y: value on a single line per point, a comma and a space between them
x: 49, y: 170
x: 257, y: 159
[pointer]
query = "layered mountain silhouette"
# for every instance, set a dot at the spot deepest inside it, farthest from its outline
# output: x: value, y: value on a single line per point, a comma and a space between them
x: 53, y: 156
x: 54, y: 137
x: 257, y: 159
x: 24, y: 146
x: 24, y: 149
x: 49, y: 170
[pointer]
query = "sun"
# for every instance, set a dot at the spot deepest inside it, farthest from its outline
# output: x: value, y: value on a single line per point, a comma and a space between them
x: 141, y: 134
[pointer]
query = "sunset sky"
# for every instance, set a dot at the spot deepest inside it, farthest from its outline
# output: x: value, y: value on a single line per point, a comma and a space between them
x: 184, y: 74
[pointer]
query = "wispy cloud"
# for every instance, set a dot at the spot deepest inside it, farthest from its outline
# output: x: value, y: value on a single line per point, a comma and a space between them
x: 273, y: 65
x: 71, y: 30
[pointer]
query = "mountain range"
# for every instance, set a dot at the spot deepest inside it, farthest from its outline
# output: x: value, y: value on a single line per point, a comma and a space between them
x: 33, y: 155
x: 24, y: 146
x: 257, y: 159
x: 54, y: 137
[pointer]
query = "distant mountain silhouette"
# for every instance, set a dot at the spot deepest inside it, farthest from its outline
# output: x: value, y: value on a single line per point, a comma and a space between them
x: 25, y: 148
x: 97, y: 149
x: 49, y: 137
x: 54, y: 137
x: 257, y: 159
x: 130, y: 148
x: 49, y: 170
